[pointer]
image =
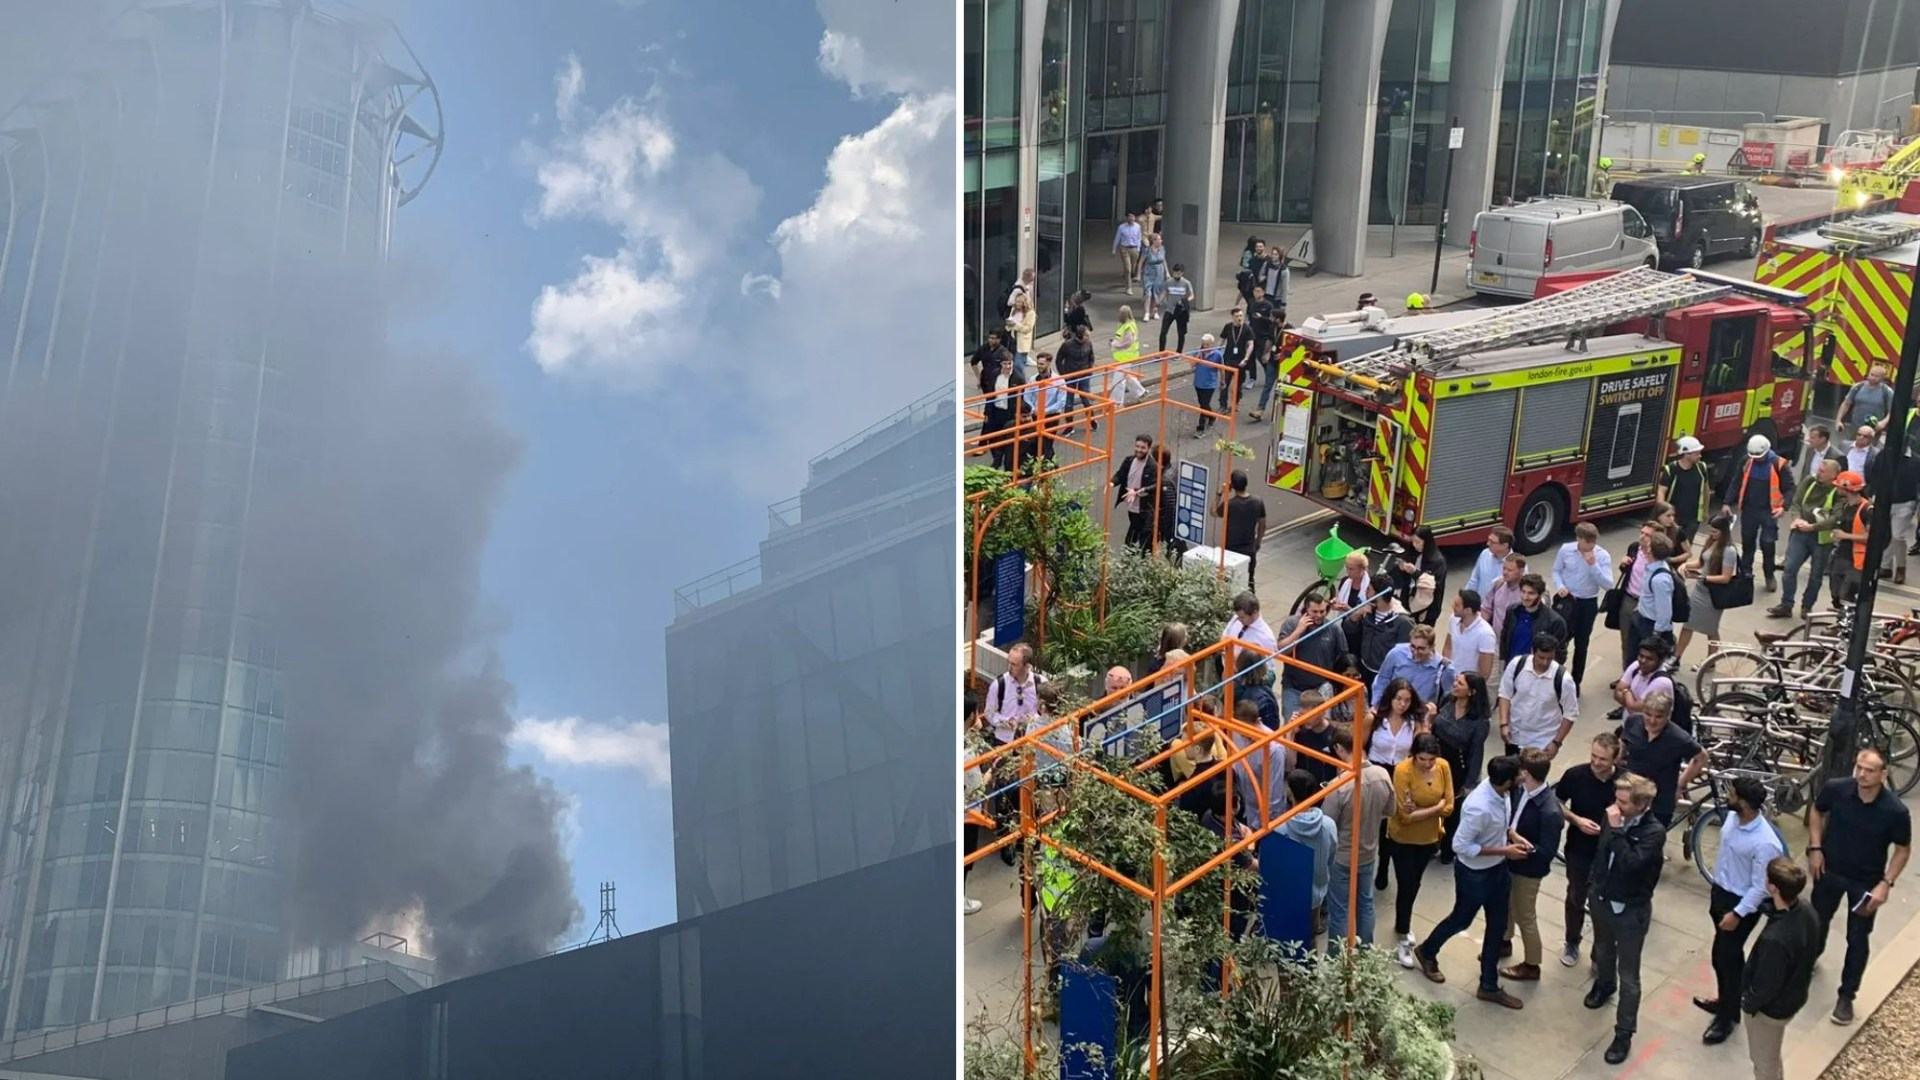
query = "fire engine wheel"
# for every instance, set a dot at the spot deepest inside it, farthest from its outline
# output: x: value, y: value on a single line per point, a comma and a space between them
x: 1541, y: 519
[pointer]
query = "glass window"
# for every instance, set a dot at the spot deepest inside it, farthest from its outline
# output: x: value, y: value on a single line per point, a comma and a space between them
x: 1730, y: 354
x: 1633, y: 224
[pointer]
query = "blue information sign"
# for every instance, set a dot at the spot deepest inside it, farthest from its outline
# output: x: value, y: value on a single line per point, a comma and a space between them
x: 1009, y: 598
x: 1190, y: 504
x: 1124, y: 728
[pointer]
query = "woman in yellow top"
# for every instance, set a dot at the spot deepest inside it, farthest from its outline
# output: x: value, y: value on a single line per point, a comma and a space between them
x: 1422, y: 798
x: 1126, y: 348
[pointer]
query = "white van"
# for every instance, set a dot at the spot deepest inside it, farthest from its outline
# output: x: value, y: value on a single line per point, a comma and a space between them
x: 1512, y: 246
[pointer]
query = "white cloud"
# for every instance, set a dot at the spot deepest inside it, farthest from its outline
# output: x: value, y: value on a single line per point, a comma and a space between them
x: 677, y: 215
x: 567, y: 86
x: 761, y: 284
x: 903, y: 47
x: 570, y: 740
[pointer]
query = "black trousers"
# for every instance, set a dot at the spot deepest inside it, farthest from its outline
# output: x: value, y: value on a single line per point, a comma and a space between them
x: 1177, y: 317
x: 1140, y: 529
x: 1579, y: 873
x: 1828, y: 894
x: 1729, y: 952
x: 1409, y: 864
x: 1253, y: 559
x: 1205, y: 396
x: 1581, y: 613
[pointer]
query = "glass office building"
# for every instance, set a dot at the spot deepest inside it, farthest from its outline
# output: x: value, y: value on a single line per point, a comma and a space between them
x: 1068, y: 106
x: 1549, y: 106
x: 811, y: 689
x: 150, y: 197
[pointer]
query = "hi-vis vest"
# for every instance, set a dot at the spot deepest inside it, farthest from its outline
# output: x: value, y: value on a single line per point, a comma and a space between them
x: 1124, y: 353
x: 1773, y: 486
x: 1825, y: 536
x: 1860, y: 546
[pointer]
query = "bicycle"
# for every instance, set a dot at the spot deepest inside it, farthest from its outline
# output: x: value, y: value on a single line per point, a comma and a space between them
x: 1801, y: 712
x: 1815, y: 662
x: 1330, y: 557
x: 1700, y: 844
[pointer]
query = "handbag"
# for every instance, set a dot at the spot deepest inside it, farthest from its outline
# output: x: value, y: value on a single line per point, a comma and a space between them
x: 1614, y: 599
x: 1726, y: 595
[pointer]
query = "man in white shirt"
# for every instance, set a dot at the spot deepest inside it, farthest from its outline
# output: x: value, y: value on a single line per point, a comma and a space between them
x: 1538, y: 701
x: 1247, y: 625
x: 1486, y: 568
x: 1013, y: 699
x: 1471, y: 643
x: 1581, y: 572
x: 1482, y: 847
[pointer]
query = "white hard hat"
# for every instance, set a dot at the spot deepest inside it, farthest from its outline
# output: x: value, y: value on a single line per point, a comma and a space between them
x: 1758, y: 446
x: 1691, y: 445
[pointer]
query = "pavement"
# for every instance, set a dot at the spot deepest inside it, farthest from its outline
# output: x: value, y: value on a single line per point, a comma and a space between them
x: 1554, y: 1036
x: 1395, y: 267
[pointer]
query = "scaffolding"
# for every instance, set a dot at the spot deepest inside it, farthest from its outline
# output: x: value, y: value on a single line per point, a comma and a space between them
x: 1040, y: 751
x: 1024, y: 433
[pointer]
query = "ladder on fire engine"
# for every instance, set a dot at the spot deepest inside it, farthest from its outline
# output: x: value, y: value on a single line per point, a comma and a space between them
x: 1861, y: 236
x: 1633, y: 294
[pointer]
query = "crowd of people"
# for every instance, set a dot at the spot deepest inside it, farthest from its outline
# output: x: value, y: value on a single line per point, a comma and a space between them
x: 1509, y: 657
x: 1516, y: 648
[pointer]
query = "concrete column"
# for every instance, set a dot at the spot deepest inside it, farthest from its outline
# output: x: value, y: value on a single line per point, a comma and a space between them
x: 1033, y: 28
x: 1480, y: 32
x: 1353, y: 34
x: 1201, y: 44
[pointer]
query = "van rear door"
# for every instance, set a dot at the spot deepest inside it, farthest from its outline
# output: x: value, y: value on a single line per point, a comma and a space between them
x: 1508, y: 254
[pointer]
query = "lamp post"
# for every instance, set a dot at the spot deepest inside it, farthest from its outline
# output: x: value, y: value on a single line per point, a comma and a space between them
x: 1843, y: 734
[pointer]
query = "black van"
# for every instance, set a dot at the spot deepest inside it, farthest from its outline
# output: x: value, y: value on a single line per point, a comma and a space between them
x: 1695, y: 218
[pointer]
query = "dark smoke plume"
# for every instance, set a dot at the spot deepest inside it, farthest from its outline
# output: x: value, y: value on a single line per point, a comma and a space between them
x: 371, y: 495
x: 400, y: 791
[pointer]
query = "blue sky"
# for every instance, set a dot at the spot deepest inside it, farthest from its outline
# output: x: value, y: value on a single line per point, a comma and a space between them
x: 651, y: 221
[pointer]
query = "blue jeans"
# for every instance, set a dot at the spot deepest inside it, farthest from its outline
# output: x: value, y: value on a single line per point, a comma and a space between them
x: 1804, y: 548
x: 1475, y: 891
x: 1337, y: 906
x: 1273, y: 376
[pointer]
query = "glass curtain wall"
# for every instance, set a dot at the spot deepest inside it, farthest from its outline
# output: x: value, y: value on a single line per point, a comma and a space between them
x: 1548, y: 103
x: 1061, y: 127
x: 1410, y: 127
x: 991, y: 97
x: 1273, y: 108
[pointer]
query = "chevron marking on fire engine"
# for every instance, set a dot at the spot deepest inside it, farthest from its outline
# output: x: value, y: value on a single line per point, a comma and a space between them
x: 1419, y: 421
x: 1881, y: 295
x: 1287, y: 475
x: 1379, y: 482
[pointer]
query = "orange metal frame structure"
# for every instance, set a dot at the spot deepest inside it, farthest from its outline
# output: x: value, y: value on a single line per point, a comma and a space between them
x: 1199, y: 727
x: 1031, y: 430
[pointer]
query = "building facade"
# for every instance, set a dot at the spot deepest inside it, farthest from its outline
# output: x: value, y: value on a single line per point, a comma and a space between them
x: 811, y: 690
x: 1851, y: 63
x: 155, y: 200
x: 1256, y: 112
x: 848, y: 976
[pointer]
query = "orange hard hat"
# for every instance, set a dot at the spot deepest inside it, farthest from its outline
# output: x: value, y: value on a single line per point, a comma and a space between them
x: 1850, y: 481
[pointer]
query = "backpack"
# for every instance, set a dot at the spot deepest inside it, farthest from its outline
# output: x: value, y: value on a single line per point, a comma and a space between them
x: 1682, y: 715
x: 1559, y: 677
x: 1682, y: 605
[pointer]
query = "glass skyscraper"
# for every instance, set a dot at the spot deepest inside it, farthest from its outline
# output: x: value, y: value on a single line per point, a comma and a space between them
x: 155, y: 201
x: 811, y: 690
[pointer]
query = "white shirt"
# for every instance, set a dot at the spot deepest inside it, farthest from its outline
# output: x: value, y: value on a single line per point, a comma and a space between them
x: 1012, y: 705
x: 1486, y: 571
x: 1256, y: 632
x: 1388, y: 747
x: 1533, y: 717
x: 1483, y: 824
x: 1469, y: 644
